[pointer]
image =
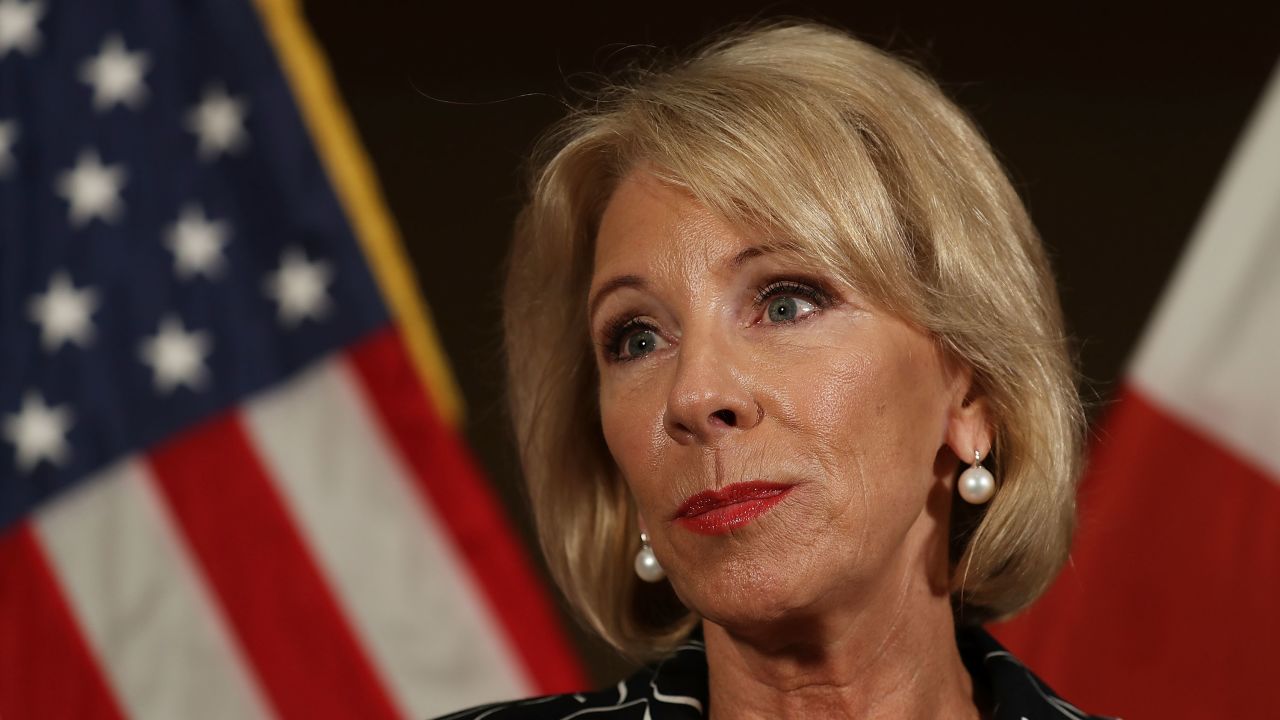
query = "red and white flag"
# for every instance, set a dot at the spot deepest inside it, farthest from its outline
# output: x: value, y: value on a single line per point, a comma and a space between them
x: 230, y: 482
x: 1170, y: 605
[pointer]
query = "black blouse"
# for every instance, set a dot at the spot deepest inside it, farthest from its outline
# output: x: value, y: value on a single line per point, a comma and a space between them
x: 676, y: 689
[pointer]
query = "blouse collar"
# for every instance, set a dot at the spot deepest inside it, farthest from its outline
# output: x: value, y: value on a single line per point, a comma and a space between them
x: 676, y: 688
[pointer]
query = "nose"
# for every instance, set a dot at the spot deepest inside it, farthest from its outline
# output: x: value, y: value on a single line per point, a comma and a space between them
x: 709, y: 396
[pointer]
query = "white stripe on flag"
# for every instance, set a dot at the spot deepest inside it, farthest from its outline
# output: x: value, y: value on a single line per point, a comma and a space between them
x: 1212, y: 353
x: 141, y: 605
x: 391, y: 566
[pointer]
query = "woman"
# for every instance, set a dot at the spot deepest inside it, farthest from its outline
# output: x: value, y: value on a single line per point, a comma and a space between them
x: 791, y: 390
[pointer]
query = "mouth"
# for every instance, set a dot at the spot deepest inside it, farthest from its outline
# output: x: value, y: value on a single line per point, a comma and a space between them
x: 715, y: 512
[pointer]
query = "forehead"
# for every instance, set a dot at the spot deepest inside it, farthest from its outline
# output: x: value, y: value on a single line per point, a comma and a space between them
x: 649, y: 225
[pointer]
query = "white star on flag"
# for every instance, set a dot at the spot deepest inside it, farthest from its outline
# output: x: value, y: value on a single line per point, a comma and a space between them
x: 176, y: 356
x: 8, y: 136
x: 92, y: 189
x: 63, y: 313
x: 116, y: 75
x: 197, y: 243
x: 298, y: 287
x: 38, y: 432
x: 18, y: 21
x: 218, y: 122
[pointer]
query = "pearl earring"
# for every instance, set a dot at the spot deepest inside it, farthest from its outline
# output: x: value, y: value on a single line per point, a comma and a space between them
x: 977, y: 484
x: 647, y: 566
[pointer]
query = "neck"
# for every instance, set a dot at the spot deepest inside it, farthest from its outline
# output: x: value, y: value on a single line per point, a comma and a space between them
x: 892, y: 656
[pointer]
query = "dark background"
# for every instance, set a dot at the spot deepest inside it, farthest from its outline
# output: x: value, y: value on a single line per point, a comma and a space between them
x: 1113, y: 124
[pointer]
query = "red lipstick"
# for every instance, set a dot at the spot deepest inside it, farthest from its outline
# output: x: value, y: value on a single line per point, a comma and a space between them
x: 715, y: 512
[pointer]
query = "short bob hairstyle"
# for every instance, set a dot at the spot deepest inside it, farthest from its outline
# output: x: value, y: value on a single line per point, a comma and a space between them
x: 833, y: 150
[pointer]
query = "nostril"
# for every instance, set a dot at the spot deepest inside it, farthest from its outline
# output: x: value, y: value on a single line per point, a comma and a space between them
x: 725, y: 416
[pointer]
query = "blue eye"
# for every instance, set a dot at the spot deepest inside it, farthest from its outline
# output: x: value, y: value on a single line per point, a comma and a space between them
x: 789, y: 301
x: 630, y: 340
x: 786, y: 308
x: 641, y: 343
x: 785, y: 301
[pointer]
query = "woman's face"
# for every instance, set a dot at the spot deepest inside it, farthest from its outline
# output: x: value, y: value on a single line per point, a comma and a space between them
x: 785, y: 441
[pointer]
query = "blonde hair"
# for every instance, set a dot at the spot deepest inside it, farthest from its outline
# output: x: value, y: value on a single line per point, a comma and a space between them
x: 857, y: 162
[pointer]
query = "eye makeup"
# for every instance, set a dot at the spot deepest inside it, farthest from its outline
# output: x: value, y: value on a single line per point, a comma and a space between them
x: 619, y: 329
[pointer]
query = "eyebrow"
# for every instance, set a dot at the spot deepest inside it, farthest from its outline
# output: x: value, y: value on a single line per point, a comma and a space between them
x: 638, y: 282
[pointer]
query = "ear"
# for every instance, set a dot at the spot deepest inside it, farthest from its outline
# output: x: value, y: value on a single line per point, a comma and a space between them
x: 969, y: 425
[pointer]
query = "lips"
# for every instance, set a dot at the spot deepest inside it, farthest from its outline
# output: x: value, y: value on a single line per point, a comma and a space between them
x: 714, y: 512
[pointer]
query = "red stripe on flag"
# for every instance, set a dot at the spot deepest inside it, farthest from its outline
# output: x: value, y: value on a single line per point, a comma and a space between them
x: 46, y: 668
x: 1174, y: 572
x: 456, y: 494
x: 304, y: 652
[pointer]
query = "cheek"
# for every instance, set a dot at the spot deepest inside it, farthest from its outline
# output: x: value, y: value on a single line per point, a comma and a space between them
x: 869, y: 416
x: 631, y: 419
x: 828, y: 403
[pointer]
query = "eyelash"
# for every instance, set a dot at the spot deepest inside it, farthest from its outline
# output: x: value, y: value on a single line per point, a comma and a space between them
x: 621, y: 328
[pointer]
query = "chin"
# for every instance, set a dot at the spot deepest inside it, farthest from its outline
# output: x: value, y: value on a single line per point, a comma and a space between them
x: 746, y: 592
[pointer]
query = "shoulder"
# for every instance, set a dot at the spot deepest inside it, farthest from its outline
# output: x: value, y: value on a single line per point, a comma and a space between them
x: 1015, y: 691
x: 673, y: 689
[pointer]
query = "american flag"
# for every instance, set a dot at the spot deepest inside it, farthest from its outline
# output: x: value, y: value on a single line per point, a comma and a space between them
x: 1168, y: 607
x: 230, y: 483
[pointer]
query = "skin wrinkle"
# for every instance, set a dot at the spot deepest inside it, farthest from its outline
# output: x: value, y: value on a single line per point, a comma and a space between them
x: 889, y: 635
x: 887, y: 641
x: 805, y: 608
